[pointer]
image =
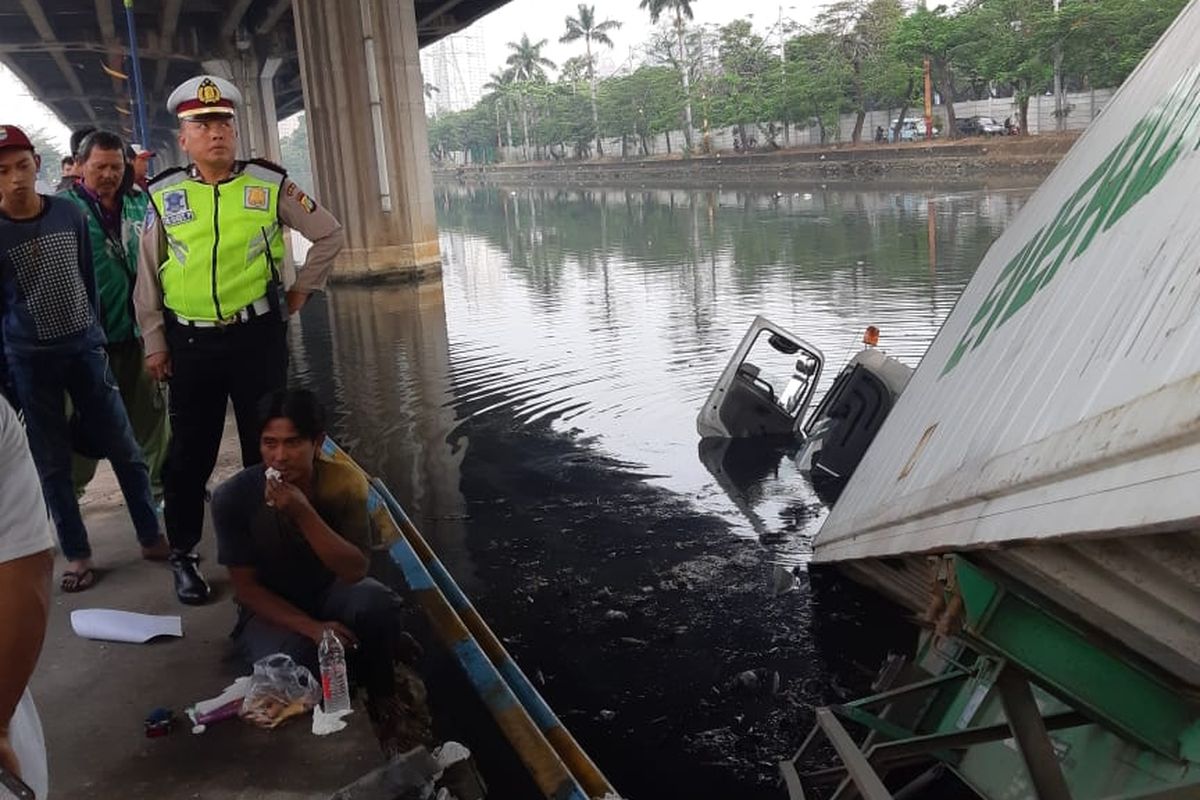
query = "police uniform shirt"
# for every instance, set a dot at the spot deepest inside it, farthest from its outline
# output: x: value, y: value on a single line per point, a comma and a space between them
x: 296, y: 210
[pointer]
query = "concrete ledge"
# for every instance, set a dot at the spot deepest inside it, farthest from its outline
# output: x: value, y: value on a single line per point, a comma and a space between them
x: 394, y: 263
x: 950, y: 159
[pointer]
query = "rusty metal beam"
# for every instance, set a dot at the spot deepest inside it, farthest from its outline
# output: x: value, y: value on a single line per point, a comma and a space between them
x: 866, y: 780
x: 59, y: 47
x: 108, y: 34
x: 1029, y: 730
x: 37, y: 17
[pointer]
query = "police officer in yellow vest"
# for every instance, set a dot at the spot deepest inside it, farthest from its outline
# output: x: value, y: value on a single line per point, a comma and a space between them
x: 213, y: 302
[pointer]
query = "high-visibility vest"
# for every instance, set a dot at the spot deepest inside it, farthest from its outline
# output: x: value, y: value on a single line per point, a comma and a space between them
x: 224, y: 241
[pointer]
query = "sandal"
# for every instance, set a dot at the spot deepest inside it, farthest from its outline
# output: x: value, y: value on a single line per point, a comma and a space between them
x: 72, y: 582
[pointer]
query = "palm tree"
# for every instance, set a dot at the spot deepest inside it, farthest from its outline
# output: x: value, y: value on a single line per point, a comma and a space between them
x: 502, y: 84
x: 681, y: 9
x: 526, y: 61
x: 527, y: 65
x: 585, y: 27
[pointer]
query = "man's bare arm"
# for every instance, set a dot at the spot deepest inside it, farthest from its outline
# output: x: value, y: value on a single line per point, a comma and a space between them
x: 24, y: 609
x: 274, y: 609
x: 343, y: 558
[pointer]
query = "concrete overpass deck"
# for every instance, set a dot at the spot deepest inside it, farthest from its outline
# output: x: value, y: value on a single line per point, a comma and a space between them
x: 72, y: 54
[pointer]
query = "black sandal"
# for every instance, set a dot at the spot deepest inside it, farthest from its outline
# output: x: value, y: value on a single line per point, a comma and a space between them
x: 72, y: 582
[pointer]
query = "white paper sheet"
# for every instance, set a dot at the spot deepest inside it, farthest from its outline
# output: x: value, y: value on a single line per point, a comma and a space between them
x: 123, y: 626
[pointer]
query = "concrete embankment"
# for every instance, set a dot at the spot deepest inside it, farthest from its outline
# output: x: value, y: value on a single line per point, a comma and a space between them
x: 973, y: 159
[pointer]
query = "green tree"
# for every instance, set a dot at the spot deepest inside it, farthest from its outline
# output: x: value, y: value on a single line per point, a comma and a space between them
x: 45, y: 146
x: 502, y: 97
x: 748, y: 70
x: 294, y: 155
x: 528, y: 67
x: 587, y: 28
x: 1103, y: 40
x: 816, y: 79
x: 861, y: 31
x: 680, y: 9
x: 949, y: 43
x: 1012, y: 42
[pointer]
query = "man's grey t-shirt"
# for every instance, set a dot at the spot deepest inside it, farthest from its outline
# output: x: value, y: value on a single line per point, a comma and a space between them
x: 252, y: 534
x: 24, y: 522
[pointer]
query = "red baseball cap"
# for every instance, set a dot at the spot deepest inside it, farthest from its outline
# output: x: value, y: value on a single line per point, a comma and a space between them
x: 12, y: 136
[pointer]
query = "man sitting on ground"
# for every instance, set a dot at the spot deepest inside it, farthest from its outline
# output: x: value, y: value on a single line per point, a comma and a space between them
x: 296, y: 549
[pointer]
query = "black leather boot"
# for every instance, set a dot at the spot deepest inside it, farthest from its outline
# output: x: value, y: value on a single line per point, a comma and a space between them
x: 190, y: 586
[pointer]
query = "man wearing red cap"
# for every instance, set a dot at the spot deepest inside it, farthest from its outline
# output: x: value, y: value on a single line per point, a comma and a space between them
x: 53, y: 346
x: 141, y: 166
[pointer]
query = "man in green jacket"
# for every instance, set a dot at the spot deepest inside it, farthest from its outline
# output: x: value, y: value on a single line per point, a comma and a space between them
x: 114, y: 220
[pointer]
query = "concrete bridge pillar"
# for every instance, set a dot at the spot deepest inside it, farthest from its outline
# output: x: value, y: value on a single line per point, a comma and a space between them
x: 365, y: 111
x: 259, y: 126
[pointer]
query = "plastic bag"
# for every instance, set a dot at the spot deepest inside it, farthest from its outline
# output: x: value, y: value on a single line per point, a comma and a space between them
x: 279, y: 689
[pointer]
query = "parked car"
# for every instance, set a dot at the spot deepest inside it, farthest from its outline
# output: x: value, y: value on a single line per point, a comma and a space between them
x: 979, y: 126
x: 912, y: 130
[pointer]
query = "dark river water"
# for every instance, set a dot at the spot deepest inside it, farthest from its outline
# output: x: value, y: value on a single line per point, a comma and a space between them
x: 535, y: 413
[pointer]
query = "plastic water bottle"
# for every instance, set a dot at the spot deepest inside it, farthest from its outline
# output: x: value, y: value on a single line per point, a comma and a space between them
x: 335, y: 689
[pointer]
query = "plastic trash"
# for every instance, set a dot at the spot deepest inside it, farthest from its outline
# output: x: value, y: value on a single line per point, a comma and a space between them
x: 335, y: 687
x: 279, y: 689
x: 226, y: 705
x: 324, y: 724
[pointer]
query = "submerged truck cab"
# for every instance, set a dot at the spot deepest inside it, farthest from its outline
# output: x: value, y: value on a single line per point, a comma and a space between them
x: 769, y: 383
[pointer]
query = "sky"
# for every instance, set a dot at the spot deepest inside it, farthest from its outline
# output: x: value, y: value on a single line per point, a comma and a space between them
x: 25, y: 112
x: 533, y: 17
x: 505, y: 25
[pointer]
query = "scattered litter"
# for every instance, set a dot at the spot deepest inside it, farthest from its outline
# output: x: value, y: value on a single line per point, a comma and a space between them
x: 324, y: 724
x: 631, y: 641
x: 199, y: 729
x: 783, y: 579
x: 608, y: 716
x: 224, y: 706
x: 755, y: 681
x: 279, y: 689
x: 159, y: 722
x: 747, y: 681
x: 450, y: 753
x: 110, y: 625
x: 615, y: 616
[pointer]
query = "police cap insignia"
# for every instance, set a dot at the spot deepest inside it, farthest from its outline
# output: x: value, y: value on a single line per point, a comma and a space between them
x: 208, y: 92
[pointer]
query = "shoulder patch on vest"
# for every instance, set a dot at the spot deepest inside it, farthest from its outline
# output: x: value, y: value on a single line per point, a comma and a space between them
x: 265, y: 170
x: 168, y: 178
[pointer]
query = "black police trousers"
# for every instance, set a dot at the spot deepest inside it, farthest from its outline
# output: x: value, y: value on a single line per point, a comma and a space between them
x: 243, y: 362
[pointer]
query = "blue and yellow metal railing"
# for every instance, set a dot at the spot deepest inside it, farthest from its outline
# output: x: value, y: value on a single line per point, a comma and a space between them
x: 556, y: 762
